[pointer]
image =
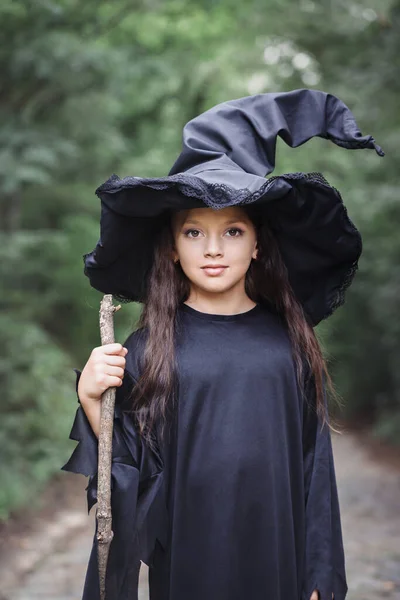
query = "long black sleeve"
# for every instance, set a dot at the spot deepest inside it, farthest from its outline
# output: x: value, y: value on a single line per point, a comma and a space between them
x: 84, y: 458
x: 139, y: 513
x: 324, y: 553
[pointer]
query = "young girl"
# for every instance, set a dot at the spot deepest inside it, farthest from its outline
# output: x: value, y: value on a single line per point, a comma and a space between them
x: 223, y: 474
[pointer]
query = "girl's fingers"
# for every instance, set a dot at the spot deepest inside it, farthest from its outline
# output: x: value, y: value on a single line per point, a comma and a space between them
x: 114, y: 371
x: 115, y: 360
x: 115, y: 348
x: 113, y: 382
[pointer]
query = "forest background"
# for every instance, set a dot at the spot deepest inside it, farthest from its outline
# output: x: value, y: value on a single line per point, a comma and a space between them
x: 90, y: 89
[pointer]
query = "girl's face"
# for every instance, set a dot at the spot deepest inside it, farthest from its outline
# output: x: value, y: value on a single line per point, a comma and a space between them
x: 205, y: 238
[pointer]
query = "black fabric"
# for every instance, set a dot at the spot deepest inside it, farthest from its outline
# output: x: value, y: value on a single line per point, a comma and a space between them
x: 240, y: 499
x: 138, y: 504
x: 226, y: 153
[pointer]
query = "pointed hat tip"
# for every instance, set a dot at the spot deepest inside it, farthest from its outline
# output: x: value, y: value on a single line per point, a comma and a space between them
x: 378, y: 149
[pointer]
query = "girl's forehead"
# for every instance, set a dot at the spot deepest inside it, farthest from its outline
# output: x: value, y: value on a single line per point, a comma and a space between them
x: 209, y: 215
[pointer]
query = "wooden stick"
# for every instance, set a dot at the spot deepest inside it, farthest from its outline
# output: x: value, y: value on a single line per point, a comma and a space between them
x: 103, y: 513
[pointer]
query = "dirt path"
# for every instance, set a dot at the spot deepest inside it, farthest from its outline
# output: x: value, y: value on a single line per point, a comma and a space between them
x: 369, y: 492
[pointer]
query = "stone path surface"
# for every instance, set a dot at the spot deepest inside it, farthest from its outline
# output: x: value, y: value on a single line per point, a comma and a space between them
x: 369, y: 494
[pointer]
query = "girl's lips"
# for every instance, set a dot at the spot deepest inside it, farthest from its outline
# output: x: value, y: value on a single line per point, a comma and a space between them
x: 214, y: 270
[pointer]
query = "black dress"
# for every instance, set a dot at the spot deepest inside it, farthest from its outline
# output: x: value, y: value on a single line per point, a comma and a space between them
x: 240, y: 501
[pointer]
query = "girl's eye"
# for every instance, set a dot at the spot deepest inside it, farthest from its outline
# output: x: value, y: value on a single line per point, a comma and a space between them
x: 236, y: 229
x: 194, y: 233
x: 188, y: 231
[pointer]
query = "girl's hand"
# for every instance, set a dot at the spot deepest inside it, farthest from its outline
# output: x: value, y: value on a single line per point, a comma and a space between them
x: 315, y: 595
x: 105, y: 368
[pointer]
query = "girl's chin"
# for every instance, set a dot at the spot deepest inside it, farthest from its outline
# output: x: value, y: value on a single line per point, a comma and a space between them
x: 215, y: 285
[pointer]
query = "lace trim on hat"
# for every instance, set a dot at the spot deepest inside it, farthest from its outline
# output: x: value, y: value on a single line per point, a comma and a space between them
x: 216, y: 195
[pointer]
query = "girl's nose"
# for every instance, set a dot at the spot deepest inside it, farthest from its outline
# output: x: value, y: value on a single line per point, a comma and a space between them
x: 213, y: 248
x: 213, y: 245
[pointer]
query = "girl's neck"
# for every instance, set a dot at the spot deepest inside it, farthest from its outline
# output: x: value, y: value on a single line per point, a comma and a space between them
x: 221, y: 308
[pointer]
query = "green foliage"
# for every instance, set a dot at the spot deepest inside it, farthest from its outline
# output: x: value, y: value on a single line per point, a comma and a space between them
x: 36, y: 411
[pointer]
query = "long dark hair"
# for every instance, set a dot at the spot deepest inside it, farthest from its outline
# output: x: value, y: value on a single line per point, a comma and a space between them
x: 167, y: 286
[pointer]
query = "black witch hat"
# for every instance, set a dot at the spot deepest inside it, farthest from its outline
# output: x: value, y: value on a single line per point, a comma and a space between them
x: 227, y: 153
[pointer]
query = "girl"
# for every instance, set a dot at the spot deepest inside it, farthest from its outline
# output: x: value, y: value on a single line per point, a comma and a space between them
x: 223, y: 473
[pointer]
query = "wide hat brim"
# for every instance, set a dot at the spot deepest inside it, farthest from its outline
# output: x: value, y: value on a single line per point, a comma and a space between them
x: 318, y: 241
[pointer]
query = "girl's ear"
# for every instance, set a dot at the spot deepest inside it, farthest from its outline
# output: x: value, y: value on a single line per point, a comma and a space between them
x: 255, y: 252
